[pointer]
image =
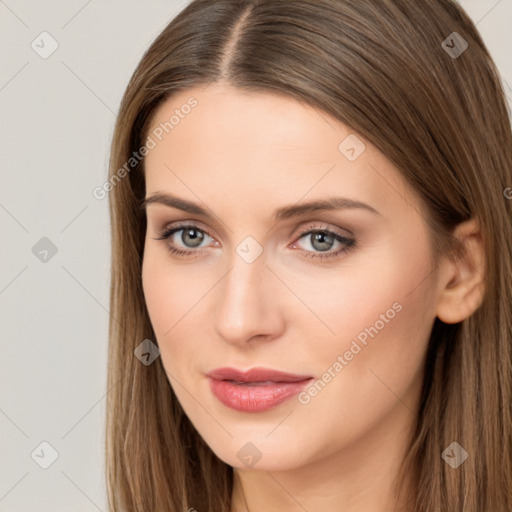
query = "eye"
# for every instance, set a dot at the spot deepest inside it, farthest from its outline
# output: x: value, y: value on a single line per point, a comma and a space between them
x: 321, y: 240
x: 191, y: 237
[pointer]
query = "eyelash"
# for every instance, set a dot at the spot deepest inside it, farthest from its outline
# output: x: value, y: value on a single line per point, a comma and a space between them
x: 350, y: 244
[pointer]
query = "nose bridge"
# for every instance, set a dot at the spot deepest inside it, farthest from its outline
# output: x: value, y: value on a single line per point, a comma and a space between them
x: 244, y: 284
x: 244, y: 306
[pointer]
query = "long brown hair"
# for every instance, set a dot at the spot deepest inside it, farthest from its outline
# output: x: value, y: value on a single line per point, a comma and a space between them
x: 395, y: 72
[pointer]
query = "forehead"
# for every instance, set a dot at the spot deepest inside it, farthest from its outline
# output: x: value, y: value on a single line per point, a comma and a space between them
x: 249, y: 145
x: 263, y: 123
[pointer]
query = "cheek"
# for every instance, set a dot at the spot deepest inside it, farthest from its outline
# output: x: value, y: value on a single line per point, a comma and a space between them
x: 170, y: 290
x: 173, y: 296
x: 380, y: 298
x: 381, y: 315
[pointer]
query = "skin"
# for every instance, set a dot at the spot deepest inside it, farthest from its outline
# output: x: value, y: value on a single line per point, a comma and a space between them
x: 242, y: 155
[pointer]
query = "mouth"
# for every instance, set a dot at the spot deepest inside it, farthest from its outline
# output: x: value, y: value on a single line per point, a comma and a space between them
x: 256, y: 390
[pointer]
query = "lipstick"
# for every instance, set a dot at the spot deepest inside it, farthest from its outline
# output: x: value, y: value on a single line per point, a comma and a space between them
x: 256, y: 390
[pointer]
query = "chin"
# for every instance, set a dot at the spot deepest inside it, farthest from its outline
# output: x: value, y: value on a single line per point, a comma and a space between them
x: 259, y: 453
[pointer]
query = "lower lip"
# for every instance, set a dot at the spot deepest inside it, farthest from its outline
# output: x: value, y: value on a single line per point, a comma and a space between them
x: 255, y: 397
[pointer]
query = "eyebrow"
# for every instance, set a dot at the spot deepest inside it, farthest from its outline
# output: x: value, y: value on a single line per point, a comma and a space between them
x: 282, y: 213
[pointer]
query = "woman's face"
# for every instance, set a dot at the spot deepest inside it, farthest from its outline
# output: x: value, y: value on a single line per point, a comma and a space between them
x: 343, y: 296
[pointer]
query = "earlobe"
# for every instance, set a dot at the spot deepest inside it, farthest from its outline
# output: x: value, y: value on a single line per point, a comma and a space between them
x: 462, y: 279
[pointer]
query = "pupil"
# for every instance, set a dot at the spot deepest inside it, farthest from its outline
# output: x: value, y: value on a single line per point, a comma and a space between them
x: 193, y: 234
x: 320, y: 237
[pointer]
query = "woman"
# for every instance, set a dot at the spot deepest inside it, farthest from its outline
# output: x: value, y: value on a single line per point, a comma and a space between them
x: 311, y: 263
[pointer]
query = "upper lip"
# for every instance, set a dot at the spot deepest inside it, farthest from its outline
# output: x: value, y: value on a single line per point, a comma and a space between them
x: 255, y: 375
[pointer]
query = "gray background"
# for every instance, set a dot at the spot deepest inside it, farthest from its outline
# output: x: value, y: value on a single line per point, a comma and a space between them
x: 57, y: 117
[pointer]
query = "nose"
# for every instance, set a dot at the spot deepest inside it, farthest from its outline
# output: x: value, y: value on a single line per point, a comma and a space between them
x: 247, y: 305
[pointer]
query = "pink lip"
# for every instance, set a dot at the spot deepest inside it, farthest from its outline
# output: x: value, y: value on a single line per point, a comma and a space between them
x: 255, y: 390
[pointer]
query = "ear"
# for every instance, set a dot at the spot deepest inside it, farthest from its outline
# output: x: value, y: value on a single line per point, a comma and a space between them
x: 462, y: 279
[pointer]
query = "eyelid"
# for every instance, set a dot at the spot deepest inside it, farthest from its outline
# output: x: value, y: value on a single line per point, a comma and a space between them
x: 182, y: 224
x: 321, y: 226
x: 296, y: 233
